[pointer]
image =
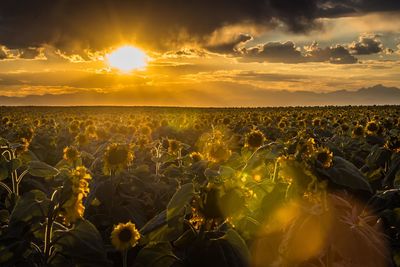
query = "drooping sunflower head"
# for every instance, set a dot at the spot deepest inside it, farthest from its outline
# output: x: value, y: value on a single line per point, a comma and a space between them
x: 125, y: 236
x: 255, y: 139
x: 117, y: 157
x: 81, y: 139
x: 393, y: 143
x: 71, y: 153
x: 358, y: 131
x: 73, y: 208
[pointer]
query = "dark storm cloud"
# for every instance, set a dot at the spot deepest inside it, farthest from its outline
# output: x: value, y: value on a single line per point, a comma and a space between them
x: 367, y: 45
x: 338, y: 8
x: 337, y: 54
x: 274, y: 52
x: 29, y: 53
x: 75, y: 25
x: 288, y: 52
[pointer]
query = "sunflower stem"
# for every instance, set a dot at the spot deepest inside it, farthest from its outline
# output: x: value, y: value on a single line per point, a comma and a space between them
x: 125, y: 258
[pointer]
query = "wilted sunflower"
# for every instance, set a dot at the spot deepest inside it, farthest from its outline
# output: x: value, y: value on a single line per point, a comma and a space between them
x: 73, y: 208
x: 255, y: 139
x: 125, y: 236
x: 117, y: 157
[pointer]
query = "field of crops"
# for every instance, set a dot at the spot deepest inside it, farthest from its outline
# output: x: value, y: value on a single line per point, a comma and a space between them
x: 115, y: 186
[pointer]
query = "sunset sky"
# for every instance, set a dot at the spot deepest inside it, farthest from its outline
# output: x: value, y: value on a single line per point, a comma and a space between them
x: 198, y: 53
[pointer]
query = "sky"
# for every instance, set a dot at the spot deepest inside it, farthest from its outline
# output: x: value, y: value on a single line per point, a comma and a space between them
x: 199, y: 53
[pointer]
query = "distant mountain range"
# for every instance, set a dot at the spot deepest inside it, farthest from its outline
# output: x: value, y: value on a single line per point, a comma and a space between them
x: 233, y: 95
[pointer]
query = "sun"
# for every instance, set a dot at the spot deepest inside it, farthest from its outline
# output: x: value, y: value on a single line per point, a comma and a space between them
x: 127, y: 58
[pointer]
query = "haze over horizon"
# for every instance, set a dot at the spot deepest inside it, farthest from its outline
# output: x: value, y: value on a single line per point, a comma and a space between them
x: 204, y: 53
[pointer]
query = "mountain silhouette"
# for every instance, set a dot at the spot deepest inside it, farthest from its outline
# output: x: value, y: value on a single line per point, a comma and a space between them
x: 233, y: 95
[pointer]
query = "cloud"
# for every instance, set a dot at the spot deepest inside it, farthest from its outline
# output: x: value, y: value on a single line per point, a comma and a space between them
x: 3, y: 52
x: 231, y: 45
x: 274, y: 52
x: 367, y: 45
x: 29, y: 53
x: 73, y: 26
x: 288, y: 52
x: 337, y: 54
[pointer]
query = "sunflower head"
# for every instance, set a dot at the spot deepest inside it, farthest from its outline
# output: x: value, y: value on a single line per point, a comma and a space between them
x: 282, y: 124
x: 196, y: 156
x: 145, y: 130
x: 173, y: 146
x: 345, y: 127
x: 217, y: 151
x: 316, y: 122
x: 372, y: 127
x: 358, y: 131
x: 81, y: 139
x: 73, y: 208
x: 324, y: 156
x: 226, y: 121
x: 117, y: 157
x: 255, y: 139
x: 71, y: 153
x: 124, y: 236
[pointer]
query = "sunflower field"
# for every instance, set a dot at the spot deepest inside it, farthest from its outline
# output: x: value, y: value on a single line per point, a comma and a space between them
x: 149, y: 186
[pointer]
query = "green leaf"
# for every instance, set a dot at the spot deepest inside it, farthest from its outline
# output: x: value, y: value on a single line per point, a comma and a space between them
x: 226, y: 172
x: 179, y: 200
x: 15, y: 164
x: 80, y: 246
x: 41, y: 169
x: 237, y: 241
x: 31, y: 205
x: 346, y: 174
x: 156, y: 255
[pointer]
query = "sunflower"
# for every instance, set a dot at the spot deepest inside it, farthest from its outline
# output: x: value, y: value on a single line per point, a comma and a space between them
x: 73, y: 208
x: 324, y: 156
x: 358, y: 131
x: 173, y: 146
x: 125, y: 236
x: 71, y: 154
x: 255, y: 139
x: 196, y: 156
x: 117, y: 157
x: 372, y: 128
x: 217, y: 151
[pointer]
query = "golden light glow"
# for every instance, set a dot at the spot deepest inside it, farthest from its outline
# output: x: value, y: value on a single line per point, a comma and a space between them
x: 127, y: 58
